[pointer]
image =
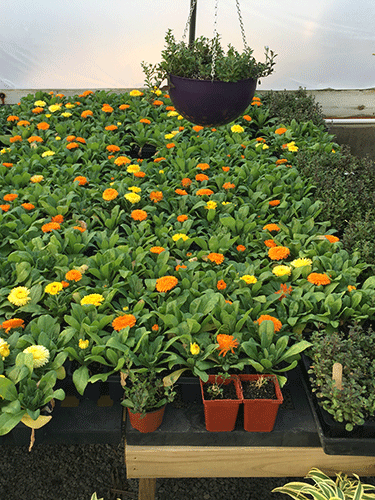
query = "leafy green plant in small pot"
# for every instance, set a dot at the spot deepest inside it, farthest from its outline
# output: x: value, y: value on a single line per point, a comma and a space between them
x: 207, y: 85
x: 222, y: 394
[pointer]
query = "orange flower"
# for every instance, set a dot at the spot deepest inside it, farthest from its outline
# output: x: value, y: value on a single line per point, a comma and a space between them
x: 226, y: 343
x: 42, y: 126
x: 228, y: 185
x: 155, y: 328
x: 110, y: 194
x: 86, y: 93
x: 225, y: 169
x: 157, y: 102
x: 277, y: 323
x: 182, y: 218
x: 12, y: 118
x: 280, y: 130
x: 228, y: 302
x: 123, y: 321
x: 157, y: 160
x: 203, y: 192
x: 186, y: 182
x: 203, y: 166
x: 157, y: 249
x: 8, y: 324
x: 23, y: 123
x: 50, y: 226
x: 70, y: 138
x: 166, y: 283
x: 138, y: 215
x: 281, y: 160
x: 256, y: 103
x: 182, y: 192
x: 247, y: 118
x: 156, y: 196
x: 65, y: 284
x: 72, y: 145
x: 37, y: 110
x: 274, y: 203
x: 34, y: 138
x: 73, y: 275
x: 284, y: 290
x: 197, y: 128
x: 124, y: 106
x: 180, y: 266
x: 171, y: 145
x: 28, y: 206
x: 122, y: 160
x: 241, y: 248
x: 201, y: 177
x: 15, y: 138
x: 80, y: 228
x: 278, y: 253
x: 81, y: 180
x: 270, y: 243
x: 139, y: 174
x: 81, y: 140
x: 221, y: 285
x: 112, y: 148
x: 271, y: 227
x: 107, y: 108
x: 8, y: 165
x: 331, y: 238
x: 111, y: 127
x: 86, y: 113
x: 145, y: 120
x: 170, y: 108
x: 318, y: 279
x: 5, y: 208
x: 218, y: 258
x: 10, y: 197
x: 58, y: 218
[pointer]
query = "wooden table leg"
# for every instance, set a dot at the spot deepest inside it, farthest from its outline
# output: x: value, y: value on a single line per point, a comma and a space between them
x: 147, y: 488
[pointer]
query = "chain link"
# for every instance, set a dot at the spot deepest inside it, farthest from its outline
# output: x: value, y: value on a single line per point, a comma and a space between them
x: 241, y: 24
x: 192, y: 7
x: 214, y: 48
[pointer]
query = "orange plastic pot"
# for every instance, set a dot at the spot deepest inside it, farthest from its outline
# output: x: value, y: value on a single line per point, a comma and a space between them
x: 260, y: 414
x: 221, y: 414
x: 147, y: 423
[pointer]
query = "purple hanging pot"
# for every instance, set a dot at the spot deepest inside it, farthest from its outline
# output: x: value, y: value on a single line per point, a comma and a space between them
x: 210, y: 102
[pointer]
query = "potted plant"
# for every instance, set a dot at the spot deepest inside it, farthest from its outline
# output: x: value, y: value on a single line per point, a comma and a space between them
x: 207, y: 85
x: 325, y: 488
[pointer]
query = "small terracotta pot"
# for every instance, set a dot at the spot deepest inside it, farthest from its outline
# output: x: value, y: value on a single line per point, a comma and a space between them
x: 221, y: 414
x: 260, y: 414
x: 149, y: 422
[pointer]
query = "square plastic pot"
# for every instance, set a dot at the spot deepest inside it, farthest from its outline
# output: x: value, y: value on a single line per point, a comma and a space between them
x: 221, y: 414
x: 260, y: 414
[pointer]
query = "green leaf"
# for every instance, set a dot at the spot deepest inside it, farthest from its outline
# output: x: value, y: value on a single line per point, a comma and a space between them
x: 9, y: 420
x: 81, y: 378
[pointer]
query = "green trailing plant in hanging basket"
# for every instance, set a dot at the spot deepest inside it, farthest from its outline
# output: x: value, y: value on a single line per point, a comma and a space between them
x: 195, y: 61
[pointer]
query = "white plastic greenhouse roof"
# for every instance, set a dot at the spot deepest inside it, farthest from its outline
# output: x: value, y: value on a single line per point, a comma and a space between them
x: 85, y: 44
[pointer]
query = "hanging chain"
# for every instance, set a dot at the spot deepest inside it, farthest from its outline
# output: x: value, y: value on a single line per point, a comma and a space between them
x: 192, y: 7
x: 214, y: 48
x: 241, y: 24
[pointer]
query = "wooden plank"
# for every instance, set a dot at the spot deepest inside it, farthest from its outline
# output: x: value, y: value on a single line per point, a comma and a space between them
x: 196, y: 461
x: 147, y: 489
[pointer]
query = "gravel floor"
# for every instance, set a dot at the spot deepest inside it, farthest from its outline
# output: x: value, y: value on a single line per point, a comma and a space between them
x: 74, y: 472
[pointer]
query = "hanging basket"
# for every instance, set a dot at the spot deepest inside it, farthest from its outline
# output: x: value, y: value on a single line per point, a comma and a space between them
x: 210, y: 102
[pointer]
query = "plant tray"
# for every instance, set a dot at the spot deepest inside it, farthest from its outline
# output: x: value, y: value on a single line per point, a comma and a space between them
x: 334, y: 439
x: 184, y: 424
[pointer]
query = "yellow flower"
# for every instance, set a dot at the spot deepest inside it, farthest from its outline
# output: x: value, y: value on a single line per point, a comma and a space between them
x: 36, y: 178
x: 172, y: 113
x: 133, y: 169
x: 48, y: 115
x: 40, y: 355
x: 4, y: 348
x: 168, y: 136
x: 237, y: 128
x: 69, y: 105
x: 53, y: 288
x: 157, y: 91
x: 194, y: 348
x: 265, y: 146
x: 83, y: 344
x: 161, y: 171
x: 48, y: 153
x: 40, y: 104
x: 226, y: 202
x: 282, y: 270
x: 94, y: 299
x: 211, y: 205
x: 292, y: 146
x: 66, y: 114
x: 301, y: 262
x: 135, y: 93
x: 180, y: 236
x: 132, y: 197
x: 58, y: 138
x: 19, y: 296
x: 249, y: 279
x: 351, y: 288
x: 135, y: 189
x: 180, y: 117
x: 54, y: 107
